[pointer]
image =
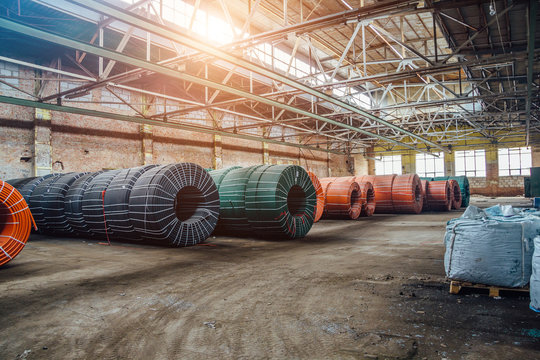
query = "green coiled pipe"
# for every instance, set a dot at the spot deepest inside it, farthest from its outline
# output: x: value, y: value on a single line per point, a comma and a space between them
x: 275, y: 201
x: 219, y: 175
x: 232, y: 195
x: 280, y: 201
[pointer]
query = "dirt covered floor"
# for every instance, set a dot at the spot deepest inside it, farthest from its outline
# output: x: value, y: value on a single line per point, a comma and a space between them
x: 368, y: 289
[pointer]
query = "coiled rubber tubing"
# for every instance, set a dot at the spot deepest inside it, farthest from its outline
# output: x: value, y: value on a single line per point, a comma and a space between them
x: 439, y: 195
x: 319, y: 192
x: 93, y: 207
x: 463, y: 183
x: 343, y: 198
x: 280, y: 201
x: 28, y: 188
x: 425, y: 185
x: 73, y: 204
x: 456, y: 194
x: 177, y: 204
x: 367, y: 195
x: 232, y: 185
x: 36, y: 203
x: 382, y: 185
x: 15, y: 222
x: 53, y: 204
x: 116, y: 203
x: 407, y: 194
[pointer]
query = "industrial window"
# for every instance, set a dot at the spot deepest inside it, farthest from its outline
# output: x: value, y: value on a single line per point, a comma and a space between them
x: 430, y: 165
x: 515, y: 161
x: 471, y: 163
x: 388, y: 165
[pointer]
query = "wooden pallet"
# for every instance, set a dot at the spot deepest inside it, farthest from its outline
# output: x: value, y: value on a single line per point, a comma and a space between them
x: 456, y: 286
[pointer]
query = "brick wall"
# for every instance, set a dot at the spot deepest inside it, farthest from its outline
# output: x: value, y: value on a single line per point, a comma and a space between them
x: 82, y: 143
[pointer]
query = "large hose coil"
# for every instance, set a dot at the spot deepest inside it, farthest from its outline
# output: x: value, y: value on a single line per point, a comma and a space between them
x: 28, y: 188
x: 343, y: 198
x: 280, y: 201
x: 93, y: 204
x: 319, y: 192
x: 382, y: 185
x: 15, y: 222
x: 116, y: 203
x: 20, y: 182
x: 456, y: 194
x: 463, y: 183
x: 439, y: 195
x: 325, y: 182
x: 219, y: 175
x: 177, y: 204
x: 425, y: 185
x: 407, y: 194
x: 53, y: 204
x: 37, y: 204
x: 73, y: 204
x: 367, y: 196
x: 232, y: 196
x: 266, y: 200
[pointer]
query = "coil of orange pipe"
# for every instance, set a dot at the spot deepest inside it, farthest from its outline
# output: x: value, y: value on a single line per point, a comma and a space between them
x: 456, y: 194
x: 343, y: 198
x: 367, y: 195
x: 15, y: 222
x: 368, y: 198
x: 325, y: 182
x: 319, y: 192
x: 425, y: 185
x: 382, y: 185
x: 439, y: 195
x: 407, y: 194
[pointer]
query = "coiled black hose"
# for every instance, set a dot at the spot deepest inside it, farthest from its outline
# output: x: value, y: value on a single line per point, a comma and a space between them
x: 177, y: 204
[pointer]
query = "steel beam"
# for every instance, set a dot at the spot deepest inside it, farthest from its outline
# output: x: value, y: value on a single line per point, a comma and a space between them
x: 146, y: 121
x: 186, y: 40
x: 112, y: 55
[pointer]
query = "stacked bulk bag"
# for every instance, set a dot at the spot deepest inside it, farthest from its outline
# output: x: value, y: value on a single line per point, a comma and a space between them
x: 487, y: 247
x: 535, y: 277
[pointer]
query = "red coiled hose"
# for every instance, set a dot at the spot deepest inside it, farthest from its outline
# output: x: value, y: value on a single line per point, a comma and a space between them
x: 368, y: 197
x: 425, y: 185
x: 15, y: 222
x: 456, y: 194
x: 325, y: 182
x: 407, y: 194
x: 319, y: 192
x: 382, y: 185
x: 439, y: 195
x: 343, y: 198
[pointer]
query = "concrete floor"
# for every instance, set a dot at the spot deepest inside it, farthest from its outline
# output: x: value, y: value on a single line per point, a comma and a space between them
x: 373, y: 288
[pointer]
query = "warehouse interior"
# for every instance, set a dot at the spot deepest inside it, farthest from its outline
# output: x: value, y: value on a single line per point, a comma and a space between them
x: 348, y: 92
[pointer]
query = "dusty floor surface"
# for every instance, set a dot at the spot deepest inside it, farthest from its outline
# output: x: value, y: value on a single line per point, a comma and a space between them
x: 367, y: 289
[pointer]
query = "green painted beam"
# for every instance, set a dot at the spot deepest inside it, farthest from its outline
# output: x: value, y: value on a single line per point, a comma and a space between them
x: 161, y: 30
x: 141, y: 120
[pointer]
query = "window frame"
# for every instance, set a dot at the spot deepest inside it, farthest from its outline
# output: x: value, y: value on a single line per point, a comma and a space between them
x: 424, y: 158
x: 523, y: 171
x: 475, y: 172
x: 395, y: 159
